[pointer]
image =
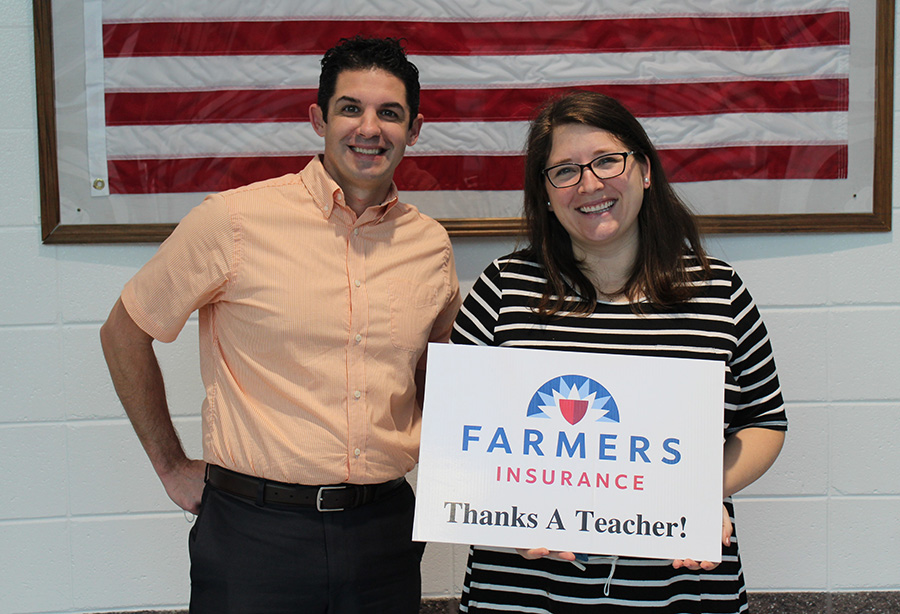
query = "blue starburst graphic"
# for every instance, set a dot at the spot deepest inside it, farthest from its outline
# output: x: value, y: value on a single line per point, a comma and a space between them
x: 567, y: 394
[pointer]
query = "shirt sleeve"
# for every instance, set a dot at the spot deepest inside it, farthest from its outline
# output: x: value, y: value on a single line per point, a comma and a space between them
x: 190, y: 269
x: 443, y: 324
x: 440, y: 332
x: 479, y: 313
x: 753, y: 366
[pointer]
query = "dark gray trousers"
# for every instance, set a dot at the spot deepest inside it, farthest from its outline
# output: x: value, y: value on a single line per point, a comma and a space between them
x: 247, y: 559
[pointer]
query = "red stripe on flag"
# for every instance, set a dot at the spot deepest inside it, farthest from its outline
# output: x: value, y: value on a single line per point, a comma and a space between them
x: 426, y: 173
x: 647, y: 100
x: 659, y: 100
x: 760, y: 162
x: 478, y: 37
x: 160, y: 176
x: 217, y: 107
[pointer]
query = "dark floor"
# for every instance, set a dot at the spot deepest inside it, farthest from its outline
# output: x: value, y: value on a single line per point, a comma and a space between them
x: 887, y: 602
x: 760, y: 603
x: 770, y: 603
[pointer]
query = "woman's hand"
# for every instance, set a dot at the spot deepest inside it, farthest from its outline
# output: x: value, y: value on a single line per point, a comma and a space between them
x: 540, y: 553
x: 727, y: 530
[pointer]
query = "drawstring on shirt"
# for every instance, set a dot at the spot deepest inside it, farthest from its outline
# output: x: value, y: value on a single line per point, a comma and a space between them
x: 592, y: 559
x: 612, y: 570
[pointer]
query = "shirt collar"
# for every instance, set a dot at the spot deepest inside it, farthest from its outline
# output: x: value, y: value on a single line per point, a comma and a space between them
x: 327, y: 194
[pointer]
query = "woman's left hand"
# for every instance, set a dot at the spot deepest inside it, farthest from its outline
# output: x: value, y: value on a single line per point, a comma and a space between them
x: 693, y: 565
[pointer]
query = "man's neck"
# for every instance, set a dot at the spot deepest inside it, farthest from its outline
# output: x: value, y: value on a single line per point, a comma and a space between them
x: 357, y: 196
x: 360, y: 199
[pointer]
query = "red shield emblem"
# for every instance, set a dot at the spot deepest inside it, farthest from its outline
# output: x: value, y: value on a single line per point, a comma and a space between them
x: 573, y: 410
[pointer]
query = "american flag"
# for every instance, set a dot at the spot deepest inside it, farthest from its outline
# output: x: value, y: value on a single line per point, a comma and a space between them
x: 205, y: 95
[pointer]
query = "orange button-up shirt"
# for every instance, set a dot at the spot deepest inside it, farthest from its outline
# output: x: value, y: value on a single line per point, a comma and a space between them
x: 312, y: 325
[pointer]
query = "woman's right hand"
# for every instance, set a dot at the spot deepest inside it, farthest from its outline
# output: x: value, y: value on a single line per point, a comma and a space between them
x: 727, y: 532
x: 540, y: 553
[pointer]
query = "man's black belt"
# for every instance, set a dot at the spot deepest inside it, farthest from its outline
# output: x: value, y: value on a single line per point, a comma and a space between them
x: 334, y: 498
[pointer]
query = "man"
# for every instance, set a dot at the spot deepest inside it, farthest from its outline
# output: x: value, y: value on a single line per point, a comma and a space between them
x: 317, y: 294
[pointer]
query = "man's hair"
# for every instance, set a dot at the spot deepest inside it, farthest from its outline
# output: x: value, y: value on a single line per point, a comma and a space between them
x: 359, y: 53
x: 667, y: 229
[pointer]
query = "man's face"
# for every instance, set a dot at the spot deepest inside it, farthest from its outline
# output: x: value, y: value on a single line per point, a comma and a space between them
x: 367, y: 131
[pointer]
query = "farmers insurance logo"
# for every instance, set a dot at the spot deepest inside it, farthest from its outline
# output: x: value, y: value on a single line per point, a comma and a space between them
x: 574, y: 397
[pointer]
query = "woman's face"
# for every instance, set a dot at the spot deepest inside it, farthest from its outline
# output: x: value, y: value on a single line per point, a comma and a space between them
x: 599, y: 215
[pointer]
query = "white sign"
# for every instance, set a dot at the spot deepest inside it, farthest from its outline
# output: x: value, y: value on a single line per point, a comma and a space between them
x: 580, y: 452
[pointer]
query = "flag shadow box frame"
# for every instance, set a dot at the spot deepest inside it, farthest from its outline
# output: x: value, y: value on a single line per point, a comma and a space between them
x: 59, y: 152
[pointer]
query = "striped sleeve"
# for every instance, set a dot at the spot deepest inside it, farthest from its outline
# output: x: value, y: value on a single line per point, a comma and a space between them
x: 479, y: 312
x: 753, y: 366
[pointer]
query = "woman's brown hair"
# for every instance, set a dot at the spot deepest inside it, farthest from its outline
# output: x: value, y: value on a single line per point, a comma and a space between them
x: 667, y: 229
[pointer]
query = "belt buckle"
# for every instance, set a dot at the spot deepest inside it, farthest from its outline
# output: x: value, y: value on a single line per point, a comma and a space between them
x: 319, y: 499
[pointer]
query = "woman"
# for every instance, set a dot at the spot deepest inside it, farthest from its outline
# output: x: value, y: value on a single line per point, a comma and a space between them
x: 615, y: 265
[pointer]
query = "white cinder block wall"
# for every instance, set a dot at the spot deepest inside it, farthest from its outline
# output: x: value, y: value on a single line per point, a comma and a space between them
x: 86, y: 527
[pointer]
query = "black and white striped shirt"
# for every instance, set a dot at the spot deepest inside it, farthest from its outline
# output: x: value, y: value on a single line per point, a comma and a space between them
x: 720, y: 323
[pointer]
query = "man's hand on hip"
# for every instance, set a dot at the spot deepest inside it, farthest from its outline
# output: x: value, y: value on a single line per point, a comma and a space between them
x: 184, y: 484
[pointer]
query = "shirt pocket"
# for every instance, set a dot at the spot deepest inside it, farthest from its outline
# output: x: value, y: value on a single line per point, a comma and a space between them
x: 413, y: 309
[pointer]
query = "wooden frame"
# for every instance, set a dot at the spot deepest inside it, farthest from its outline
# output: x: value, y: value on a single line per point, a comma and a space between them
x: 878, y: 219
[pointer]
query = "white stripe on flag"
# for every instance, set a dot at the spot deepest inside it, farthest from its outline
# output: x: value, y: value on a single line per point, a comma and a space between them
x: 634, y: 67
x: 94, y: 95
x: 474, y: 138
x: 124, y: 11
x: 199, y: 73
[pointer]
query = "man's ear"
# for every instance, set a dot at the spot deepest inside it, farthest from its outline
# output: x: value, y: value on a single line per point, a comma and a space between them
x: 414, y: 129
x: 317, y: 119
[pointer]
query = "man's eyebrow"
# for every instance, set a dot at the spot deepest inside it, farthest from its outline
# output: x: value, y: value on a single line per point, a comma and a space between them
x: 347, y: 99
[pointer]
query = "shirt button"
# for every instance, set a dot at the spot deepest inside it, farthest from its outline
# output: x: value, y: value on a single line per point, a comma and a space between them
x: 357, y: 283
x: 358, y: 338
x: 356, y: 231
x: 357, y: 394
x: 339, y: 197
x: 357, y: 451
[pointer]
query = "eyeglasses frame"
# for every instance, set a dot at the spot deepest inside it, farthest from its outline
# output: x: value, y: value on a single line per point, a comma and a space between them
x: 589, y: 165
